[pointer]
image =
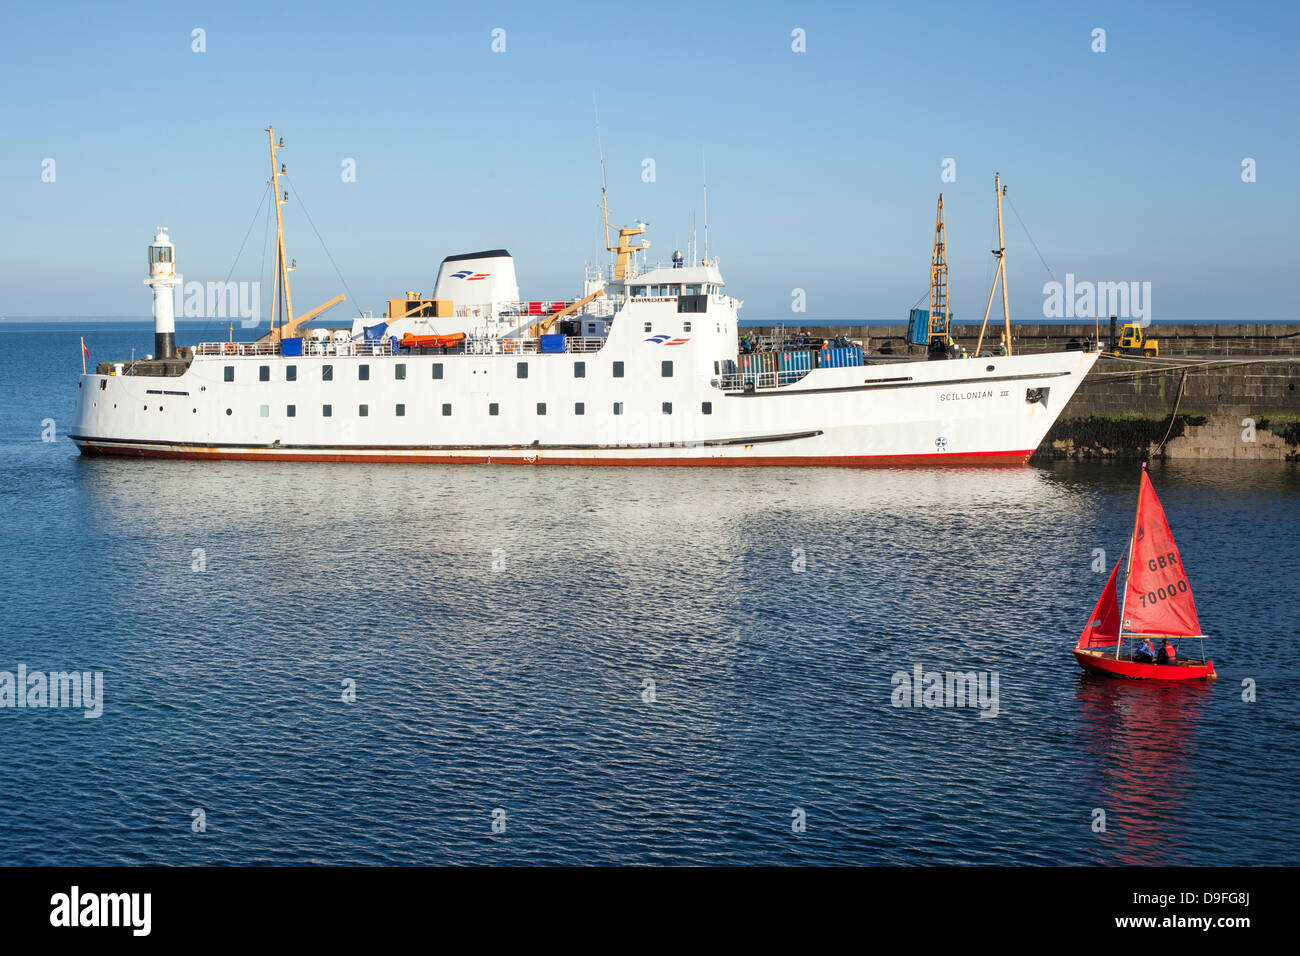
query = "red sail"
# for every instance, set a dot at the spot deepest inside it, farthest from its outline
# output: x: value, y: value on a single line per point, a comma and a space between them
x: 1159, y: 599
x: 1102, y: 629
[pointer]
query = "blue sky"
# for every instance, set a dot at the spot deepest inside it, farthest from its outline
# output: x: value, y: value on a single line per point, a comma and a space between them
x: 823, y: 166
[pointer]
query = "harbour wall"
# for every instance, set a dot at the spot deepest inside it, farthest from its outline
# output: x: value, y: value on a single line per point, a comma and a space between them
x: 1217, y: 391
x: 1204, y: 339
x: 1235, y: 408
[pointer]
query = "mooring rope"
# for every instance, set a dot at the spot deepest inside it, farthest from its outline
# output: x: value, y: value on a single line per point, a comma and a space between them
x: 1173, y: 416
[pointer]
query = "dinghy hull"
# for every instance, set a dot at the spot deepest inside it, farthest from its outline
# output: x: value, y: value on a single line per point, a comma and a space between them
x: 1104, y: 663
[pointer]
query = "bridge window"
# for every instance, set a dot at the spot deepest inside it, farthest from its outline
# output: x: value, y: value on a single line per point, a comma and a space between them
x: 638, y: 290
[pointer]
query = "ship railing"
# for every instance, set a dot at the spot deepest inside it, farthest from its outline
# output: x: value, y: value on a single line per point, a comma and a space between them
x: 530, y: 346
x: 489, y: 346
x: 382, y: 346
x: 309, y: 347
x: 743, y: 381
x: 237, y: 348
x: 535, y: 310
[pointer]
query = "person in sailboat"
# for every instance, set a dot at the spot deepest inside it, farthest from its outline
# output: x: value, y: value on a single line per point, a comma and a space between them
x: 1167, y: 655
x: 1146, y: 652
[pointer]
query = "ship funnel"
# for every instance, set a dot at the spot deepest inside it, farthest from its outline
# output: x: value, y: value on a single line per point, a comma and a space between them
x: 478, y: 280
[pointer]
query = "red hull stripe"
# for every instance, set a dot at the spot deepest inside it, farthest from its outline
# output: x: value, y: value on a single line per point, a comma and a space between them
x: 546, y: 458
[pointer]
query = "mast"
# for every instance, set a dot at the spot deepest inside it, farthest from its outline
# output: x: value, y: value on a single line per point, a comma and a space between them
x: 281, y: 268
x: 1002, y: 262
x: 1128, y: 572
x: 1001, y: 274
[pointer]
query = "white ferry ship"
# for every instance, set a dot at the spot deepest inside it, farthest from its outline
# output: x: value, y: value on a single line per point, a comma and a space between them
x: 646, y: 368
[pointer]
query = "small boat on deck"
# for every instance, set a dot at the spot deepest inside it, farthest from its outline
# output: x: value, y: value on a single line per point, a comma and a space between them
x: 1158, y: 605
x: 411, y: 341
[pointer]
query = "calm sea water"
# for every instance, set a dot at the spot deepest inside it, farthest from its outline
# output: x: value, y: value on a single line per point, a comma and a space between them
x: 501, y: 625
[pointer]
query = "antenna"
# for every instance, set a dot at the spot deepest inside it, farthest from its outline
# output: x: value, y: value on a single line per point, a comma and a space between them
x: 604, y: 204
x: 705, y: 166
x: 625, y: 252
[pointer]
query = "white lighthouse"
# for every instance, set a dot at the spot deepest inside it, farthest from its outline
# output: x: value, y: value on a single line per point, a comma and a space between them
x: 162, y: 277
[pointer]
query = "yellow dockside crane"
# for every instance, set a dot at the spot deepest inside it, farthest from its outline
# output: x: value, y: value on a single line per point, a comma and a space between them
x: 939, y: 284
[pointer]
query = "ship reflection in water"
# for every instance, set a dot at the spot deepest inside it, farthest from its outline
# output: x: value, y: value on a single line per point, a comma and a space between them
x: 634, y: 665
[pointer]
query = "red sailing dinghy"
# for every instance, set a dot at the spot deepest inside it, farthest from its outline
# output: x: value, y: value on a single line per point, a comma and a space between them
x: 1158, y: 605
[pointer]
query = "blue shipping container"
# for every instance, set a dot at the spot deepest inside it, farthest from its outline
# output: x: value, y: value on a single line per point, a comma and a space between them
x: 918, y: 327
x: 849, y: 356
x: 796, y: 361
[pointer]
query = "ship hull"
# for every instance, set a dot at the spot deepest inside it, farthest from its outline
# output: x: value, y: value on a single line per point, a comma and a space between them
x: 661, y: 408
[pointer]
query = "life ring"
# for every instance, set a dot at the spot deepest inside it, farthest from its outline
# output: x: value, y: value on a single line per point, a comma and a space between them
x: 509, y: 345
x: 230, y: 348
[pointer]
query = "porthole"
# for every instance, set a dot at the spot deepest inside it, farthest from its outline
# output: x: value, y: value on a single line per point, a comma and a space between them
x: 989, y: 369
x: 227, y: 411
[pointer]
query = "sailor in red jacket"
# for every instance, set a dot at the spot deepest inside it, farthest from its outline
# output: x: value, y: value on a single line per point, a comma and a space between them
x: 1167, y: 653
